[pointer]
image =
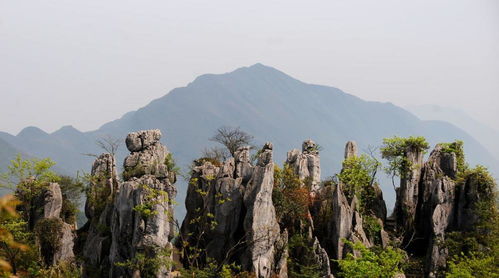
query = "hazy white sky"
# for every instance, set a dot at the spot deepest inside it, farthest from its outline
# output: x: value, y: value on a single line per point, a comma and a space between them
x: 84, y: 63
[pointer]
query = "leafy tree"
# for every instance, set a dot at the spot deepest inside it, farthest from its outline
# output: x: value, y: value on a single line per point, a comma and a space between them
x: 290, y: 197
x: 374, y: 262
x: 358, y: 177
x: 232, y: 138
x: 22, y: 170
x: 396, y: 149
x: 10, y: 236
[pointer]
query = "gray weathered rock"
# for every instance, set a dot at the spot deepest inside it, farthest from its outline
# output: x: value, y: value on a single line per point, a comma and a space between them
x: 138, y: 141
x: 322, y: 259
x: 238, y: 195
x: 282, y: 254
x: 351, y: 149
x: 62, y: 250
x: 142, y: 218
x: 436, y: 208
x: 260, y: 222
x: 99, y: 208
x: 307, y: 163
x: 53, y: 201
x: 407, y: 194
x: 244, y: 169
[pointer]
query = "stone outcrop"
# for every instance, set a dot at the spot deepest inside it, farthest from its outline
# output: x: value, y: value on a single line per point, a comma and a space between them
x: 142, y: 218
x: 59, y: 248
x: 231, y: 217
x: 407, y: 194
x: 260, y: 223
x: 237, y: 196
x: 346, y: 221
x: 435, y: 209
x: 351, y: 149
x: 99, y: 210
x: 307, y: 164
x: 147, y: 157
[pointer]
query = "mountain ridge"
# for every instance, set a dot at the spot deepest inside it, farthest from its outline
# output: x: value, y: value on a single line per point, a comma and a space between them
x: 266, y: 103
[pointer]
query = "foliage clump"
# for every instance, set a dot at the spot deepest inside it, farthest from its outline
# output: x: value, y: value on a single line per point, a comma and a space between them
x: 137, y: 171
x: 372, y: 262
x: 290, y: 197
x: 358, y: 178
x: 300, y: 261
x: 475, y: 251
x: 457, y: 148
x: 396, y: 149
x: 152, y: 198
x: 49, y: 232
x: 171, y: 165
x: 148, y: 265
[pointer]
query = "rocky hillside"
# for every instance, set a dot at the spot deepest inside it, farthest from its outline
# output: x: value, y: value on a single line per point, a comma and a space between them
x: 264, y: 102
x: 248, y: 216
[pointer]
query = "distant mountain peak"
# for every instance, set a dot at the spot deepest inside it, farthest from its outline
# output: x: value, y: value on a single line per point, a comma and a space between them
x: 67, y: 129
x: 31, y: 131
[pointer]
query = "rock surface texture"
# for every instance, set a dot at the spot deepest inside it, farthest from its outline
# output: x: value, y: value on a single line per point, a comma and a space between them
x: 59, y: 249
x: 99, y: 210
x: 237, y: 196
x: 131, y: 217
x: 307, y: 164
x: 142, y: 219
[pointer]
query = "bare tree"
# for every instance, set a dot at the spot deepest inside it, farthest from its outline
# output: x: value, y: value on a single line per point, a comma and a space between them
x: 217, y: 153
x: 109, y: 144
x: 232, y: 138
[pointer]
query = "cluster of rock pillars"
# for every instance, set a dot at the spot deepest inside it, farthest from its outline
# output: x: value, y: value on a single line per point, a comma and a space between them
x: 237, y: 195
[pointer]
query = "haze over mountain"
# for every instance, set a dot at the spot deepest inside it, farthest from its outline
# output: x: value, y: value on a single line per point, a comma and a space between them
x: 261, y: 100
x: 486, y: 135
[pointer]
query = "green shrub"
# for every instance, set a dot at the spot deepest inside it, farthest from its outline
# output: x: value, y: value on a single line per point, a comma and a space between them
x: 358, y: 177
x: 473, y: 265
x: 49, y: 232
x: 300, y: 261
x: 148, y: 264
x: 456, y: 147
x: 152, y: 198
x: 374, y: 262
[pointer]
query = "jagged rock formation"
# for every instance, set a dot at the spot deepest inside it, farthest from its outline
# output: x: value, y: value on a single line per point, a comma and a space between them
x: 133, y: 217
x: 231, y: 217
x: 351, y: 149
x: 99, y: 210
x: 307, y: 164
x: 55, y: 237
x: 142, y: 220
x: 346, y: 221
x: 441, y: 207
x: 237, y: 196
x: 407, y: 194
x: 260, y: 221
x: 436, y: 205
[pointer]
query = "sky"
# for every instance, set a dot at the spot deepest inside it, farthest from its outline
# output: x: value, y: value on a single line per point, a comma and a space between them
x: 84, y: 63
